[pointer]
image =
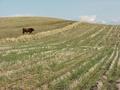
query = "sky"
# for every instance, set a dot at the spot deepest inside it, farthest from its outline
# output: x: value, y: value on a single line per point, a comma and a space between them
x: 100, y: 10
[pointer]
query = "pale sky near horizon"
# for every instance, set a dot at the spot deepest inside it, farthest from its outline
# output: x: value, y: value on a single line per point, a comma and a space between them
x: 107, y: 10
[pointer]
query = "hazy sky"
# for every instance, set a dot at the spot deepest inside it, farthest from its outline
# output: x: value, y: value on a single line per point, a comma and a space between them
x: 108, y: 10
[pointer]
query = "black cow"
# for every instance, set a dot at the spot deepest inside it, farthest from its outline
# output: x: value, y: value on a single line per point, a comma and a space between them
x: 28, y: 30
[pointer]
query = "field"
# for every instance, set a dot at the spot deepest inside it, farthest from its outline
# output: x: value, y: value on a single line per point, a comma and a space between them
x: 59, y: 55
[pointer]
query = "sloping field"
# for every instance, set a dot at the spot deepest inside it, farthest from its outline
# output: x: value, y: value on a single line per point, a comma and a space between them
x: 12, y: 26
x: 78, y: 56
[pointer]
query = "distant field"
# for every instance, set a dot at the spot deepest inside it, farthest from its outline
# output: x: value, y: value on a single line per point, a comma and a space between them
x: 59, y: 55
x: 12, y: 27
